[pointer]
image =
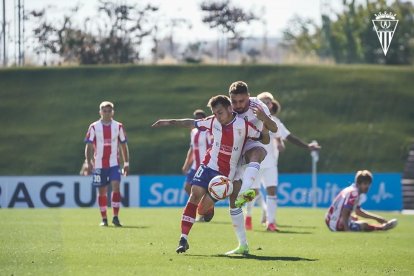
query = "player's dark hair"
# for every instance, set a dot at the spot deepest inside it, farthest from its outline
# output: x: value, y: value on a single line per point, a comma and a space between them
x: 363, y: 176
x: 219, y: 99
x: 238, y: 87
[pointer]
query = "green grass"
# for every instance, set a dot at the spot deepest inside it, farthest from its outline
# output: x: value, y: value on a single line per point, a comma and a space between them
x: 361, y: 115
x: 70, y: 242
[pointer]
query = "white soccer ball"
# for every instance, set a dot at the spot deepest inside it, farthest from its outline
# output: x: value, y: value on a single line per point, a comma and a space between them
x: 220, y: 187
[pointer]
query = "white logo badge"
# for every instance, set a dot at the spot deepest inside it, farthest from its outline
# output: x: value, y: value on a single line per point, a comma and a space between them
x: 385, y: 25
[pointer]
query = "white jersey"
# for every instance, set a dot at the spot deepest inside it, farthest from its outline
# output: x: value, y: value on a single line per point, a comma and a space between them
x: 105, y: 139
x: 348, y: 198
x: 200, y: 142
x: 250, y: 117
x: 268, y: 174
x: 272, y: 151
x: 228, y: 142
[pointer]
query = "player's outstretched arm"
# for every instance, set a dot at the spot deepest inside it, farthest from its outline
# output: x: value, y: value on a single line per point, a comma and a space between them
x: 362, y: 213
x: 174, y: 122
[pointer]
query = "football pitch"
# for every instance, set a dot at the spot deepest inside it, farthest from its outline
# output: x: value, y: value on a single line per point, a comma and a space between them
x: 70, y: 242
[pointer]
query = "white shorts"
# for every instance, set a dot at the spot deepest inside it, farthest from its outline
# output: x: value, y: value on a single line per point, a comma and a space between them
x: 251, y: 144
x: 242, y: 164
x: 268, y: 177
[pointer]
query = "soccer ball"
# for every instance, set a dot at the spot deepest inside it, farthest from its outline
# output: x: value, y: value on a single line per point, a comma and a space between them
x: 220, y: 187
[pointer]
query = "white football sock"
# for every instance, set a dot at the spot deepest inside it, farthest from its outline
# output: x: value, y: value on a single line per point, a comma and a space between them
x: 271, y: 202
x: 249, y: 176
x: 237, y: 218
x: 249, y: 208
x: 262, y: 204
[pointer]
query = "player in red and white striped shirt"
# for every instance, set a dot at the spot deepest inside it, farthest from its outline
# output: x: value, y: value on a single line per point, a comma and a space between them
x: 200, y: 142
x: 230, y: 133
x: 339, y: 216
x: 102, y: 155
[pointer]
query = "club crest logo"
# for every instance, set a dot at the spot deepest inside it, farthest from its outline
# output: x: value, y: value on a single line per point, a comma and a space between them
x: 385, y: 25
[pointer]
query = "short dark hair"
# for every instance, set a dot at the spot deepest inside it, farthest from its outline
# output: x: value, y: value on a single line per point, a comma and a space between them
x: 219, y: 99
x: 363, y: 176
x: 238, y: 87
x: 199, y: 112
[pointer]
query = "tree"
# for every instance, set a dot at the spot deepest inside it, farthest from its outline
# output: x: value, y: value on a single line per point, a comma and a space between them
x: 121, y: 31
x: 227, y: 19
x: 349, y: 37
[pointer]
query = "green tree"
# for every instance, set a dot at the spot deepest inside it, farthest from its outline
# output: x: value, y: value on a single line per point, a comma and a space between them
x: 349, y: 36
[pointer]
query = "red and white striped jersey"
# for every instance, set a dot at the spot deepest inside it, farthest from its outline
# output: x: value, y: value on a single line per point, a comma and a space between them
x: 249, y: 116
x: 105, y: 139
x: 228, y: 142
x: 348, y: 198
x: 200, y: 142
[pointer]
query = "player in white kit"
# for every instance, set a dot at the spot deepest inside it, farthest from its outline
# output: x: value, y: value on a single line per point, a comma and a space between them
x: 256, y: 112
x: 268, y: 174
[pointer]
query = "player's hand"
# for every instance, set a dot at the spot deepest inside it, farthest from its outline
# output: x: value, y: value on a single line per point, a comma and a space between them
x: 161, y: 123
x: 259, y: 113
x: 90, y: 168
x: 314, y: 146
x: 125, y: 170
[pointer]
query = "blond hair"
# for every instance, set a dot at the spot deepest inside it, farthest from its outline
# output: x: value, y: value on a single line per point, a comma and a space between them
x: 106, y: 104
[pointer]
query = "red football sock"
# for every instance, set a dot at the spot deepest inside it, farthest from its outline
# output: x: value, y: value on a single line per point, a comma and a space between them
x: 116, y: 202
x: 102, y: 201
x: 188, y: 218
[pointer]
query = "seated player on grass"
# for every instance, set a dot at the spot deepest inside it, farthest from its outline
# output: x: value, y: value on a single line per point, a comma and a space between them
x: 339, y: 216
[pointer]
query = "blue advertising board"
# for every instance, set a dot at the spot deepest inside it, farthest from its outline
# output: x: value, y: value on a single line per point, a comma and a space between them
x: 294, y: 190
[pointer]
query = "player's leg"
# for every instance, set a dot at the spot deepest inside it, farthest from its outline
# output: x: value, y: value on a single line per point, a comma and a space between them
x: 368, y: 227
x: 249, y: 205
x: 253, y: 157
x: 115, y: 178
x: 199, y: 186
x: 100, y: 181
x: 102, y: 202
x: 206, y: 207
x: 270, y: 182
x: 237, y: 219
x: 188, y: 217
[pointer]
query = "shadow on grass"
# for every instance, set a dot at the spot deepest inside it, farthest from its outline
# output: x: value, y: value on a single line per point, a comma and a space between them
x: 297, y: 226
x: 131, y: 227
x: 288, y: 232
x: 260, y: 258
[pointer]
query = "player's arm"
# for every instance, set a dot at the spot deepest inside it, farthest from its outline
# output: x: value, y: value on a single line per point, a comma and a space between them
x: 362, y: 213
x: 188, y: 160
x: 267, y: 121
x: 264, y: 136
x: 125, y: 156
x: 89, y: 156
x: 298, y: 142
x: 345, y: 216
x: 174, y: 122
